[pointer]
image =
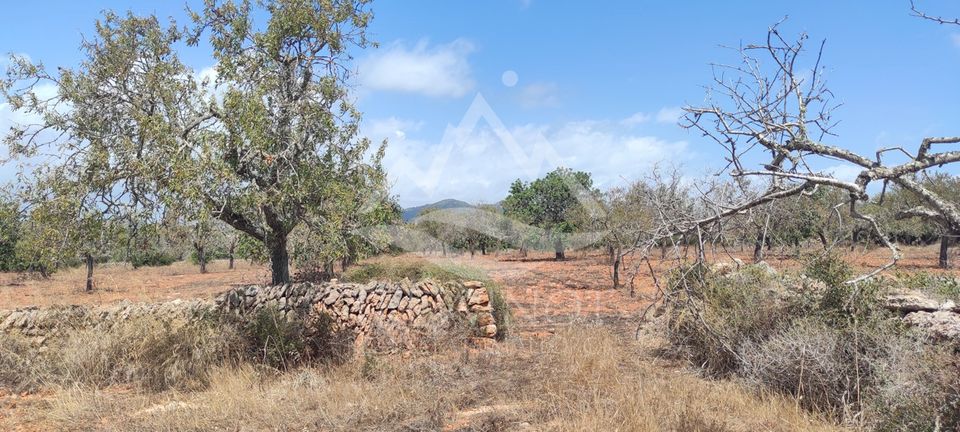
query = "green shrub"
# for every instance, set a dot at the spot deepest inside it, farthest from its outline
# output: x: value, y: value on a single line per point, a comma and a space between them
x: 502, y: 315
x: 829, y: 268
x: 711, y: 316
x: 152, y: 259
x: 942, y: 286
x: 832, y: 346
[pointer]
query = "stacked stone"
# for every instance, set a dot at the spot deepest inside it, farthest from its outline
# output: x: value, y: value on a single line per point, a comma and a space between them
x: 476, y: 302
x: 395, y: 306
x: 361, y: 307
x: 940, y: 320
x: 43, y: 322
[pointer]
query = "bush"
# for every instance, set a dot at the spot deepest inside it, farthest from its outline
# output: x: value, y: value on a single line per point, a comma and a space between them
x: 502, y: 315
x: 833, y: 347
x: 919, y: 389
x: 148, y: 352
x: 287, y: 341
x: 152, y: 259
x: 828, y: 268
x: 819, y: 365
x: 712, y: 316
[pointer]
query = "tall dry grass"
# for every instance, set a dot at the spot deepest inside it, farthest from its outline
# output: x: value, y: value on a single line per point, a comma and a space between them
x: 583, y: 378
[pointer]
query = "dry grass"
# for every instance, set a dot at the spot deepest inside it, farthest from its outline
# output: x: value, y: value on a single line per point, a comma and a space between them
x: 584, y: 378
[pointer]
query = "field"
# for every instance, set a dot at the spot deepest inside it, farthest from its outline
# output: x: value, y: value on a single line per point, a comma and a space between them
x: 573, y: 363
x: 536, y: 278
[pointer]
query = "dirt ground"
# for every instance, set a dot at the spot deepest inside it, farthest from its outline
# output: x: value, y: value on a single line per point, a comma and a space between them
x: 115, y: 282
x: 544, y: 295
x: 542, y: 290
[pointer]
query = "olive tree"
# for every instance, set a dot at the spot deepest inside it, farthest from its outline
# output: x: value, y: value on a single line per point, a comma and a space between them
x: 258, y: 147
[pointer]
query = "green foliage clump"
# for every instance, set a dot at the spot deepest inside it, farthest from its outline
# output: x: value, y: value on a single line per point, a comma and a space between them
x: 730, y: 311
x: 829, y: 268
x: 942, y: 286
x: 502, y: 315
x: 152, y: 259
x: 397, y: 269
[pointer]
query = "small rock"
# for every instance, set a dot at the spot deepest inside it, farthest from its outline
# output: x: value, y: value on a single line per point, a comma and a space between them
x: 485, y: 319
x: 478, y: 297
x: 940, y: 325
x: 473, y: 284
x: 906, y: 303
x: 331, y: 298
x: 488, y: 331
x: 395, y: 300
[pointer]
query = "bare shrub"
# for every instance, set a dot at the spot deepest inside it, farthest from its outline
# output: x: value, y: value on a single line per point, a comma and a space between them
x: 21, y: 367
x: 918, y: 389
x: 711, y: 316
x: 812, y: 362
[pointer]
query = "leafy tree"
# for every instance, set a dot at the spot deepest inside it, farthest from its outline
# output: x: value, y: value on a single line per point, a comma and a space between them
x: 261, y: 151
x: 550, y: 202
x: 9, y: 235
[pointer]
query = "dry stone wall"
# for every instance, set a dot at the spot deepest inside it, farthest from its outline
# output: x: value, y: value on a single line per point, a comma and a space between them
x: 397, y: 309
x: 372, y: 307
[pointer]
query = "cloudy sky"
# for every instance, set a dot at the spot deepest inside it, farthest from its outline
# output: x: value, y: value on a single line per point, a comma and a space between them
x: 473, y: 95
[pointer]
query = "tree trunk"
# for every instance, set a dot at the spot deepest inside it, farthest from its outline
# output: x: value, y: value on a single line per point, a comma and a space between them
x: 944, y: 251
x: 202, y: 258
x: 483, y: 249
x: 616, y: 271
x: 233, y: 248
x: 279, y: 260
x: 758, y: 248
x: 558, y: 249
x: 89, y: 259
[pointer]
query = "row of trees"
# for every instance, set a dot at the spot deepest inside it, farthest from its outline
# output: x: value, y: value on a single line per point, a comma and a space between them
x: 662, y: 212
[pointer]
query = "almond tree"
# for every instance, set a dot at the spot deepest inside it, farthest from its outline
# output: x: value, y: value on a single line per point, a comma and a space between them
x: 258, y: 147
x: 773, y: 119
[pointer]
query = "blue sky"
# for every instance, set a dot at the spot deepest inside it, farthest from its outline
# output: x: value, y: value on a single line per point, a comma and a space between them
x: 598, y: 85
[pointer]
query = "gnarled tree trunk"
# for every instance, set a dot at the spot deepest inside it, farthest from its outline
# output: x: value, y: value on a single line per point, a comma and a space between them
x: 88, y: 258
x: 279, y: 259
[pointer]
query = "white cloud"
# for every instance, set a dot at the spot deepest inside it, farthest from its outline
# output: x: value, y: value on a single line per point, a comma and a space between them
x: 540, y: 95
x: 391, y: 128
x: 438, y: 71
x: 669, y: 114
x: 635, y: 119
x: 478, y: 161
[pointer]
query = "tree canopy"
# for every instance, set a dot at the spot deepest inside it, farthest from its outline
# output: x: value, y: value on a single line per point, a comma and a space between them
x: 267, y: 144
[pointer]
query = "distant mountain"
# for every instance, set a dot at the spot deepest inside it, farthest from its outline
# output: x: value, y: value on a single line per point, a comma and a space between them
x: 412, y: 212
